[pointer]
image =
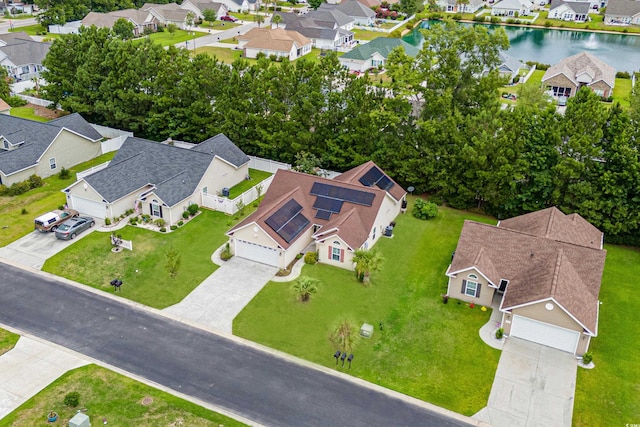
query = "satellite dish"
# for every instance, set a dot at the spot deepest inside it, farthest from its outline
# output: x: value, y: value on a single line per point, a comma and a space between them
x: 410, y: 189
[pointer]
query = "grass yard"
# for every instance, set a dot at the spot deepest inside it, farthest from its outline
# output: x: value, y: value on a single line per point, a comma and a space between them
x: 27, y: 113
x: 608, y: 394
x: 622, y: 91
x: 15, y: 224
x: 425, y: 348
x: 166, y: 39
x: 114, y: 398
x: 228, y: 56
x: 90, y: 260
x: 218, y: 25
x: 367, y: 35
x: 8, y: 340
x: 536, y: 78
x: 257, y: 176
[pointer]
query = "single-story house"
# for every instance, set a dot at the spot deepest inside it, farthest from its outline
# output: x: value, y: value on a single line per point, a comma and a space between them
x: 28, y: 147
x: 169, y: 13
x: 325, y: 31
x: 509, y: 66
x: 22, y: 56
x: 242, y: 5
x: 158, y: 179
x: 198, y: 8
x: 574, y: 72
x: 337, y: 216
x: 544, y: 268
x: 141, y: 20
x: 512, y: 8
x: 355, y: 10
x: 457, y: 6
x: 575, y: 11
x: 17, y: 7
x: 374, y: 53
x: 278, y: 41
x: 622, y: 12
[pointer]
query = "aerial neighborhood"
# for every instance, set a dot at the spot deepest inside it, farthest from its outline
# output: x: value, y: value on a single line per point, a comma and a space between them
x: 240, y: 212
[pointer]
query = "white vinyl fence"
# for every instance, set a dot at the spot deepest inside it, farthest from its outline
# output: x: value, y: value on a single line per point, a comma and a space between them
x: 230, y: 206
x: 34, y: 100
x: 266, y: 165
x: 89, y: 171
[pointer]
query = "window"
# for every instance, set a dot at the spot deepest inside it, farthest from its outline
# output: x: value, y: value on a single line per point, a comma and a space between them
x: 155, y: 210
x: 204, y: 190
x: 6, y: 144
x: 52, y: 163
x: 335, y: 254
x: 374, y: 234
x: 471, y: 287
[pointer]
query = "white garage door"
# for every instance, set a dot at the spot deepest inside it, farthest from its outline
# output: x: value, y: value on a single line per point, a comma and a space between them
x: 88, y: 207
x: 257, y: 253
x: 545, y: 334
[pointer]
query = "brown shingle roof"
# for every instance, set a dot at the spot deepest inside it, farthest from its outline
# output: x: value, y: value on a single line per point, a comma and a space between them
x: 277, y: 39
x: 537, y: 267
x: 353, y: 175
x: 574, y: 65
x: 353, y: 223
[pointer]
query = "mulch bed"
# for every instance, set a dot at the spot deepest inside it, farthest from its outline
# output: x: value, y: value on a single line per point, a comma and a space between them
x: 46, y: 112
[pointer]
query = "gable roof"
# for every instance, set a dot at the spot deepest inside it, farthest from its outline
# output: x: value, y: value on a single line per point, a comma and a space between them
x: 3, y: 105
x: 623, y: 8
x: 175, y: 172
x: 352, y: 8
x: 352, y: 223
x: 24, y: 50
x: 36, y: 138
x: 354, y: 175
x: 328, y: 18
x: 509, y: 63
x: 380, y: 45
x: 573, y: 66
x: 277, y: 39
x: 100, y: 20
x: 578, y: 7
x: 512, y: 4
x: 538, y: 264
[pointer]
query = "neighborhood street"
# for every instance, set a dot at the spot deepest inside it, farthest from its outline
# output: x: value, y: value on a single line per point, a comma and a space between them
x: 242, y: 379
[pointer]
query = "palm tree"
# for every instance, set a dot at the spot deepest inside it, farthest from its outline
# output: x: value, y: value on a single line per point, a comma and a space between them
x: 259, y: 19
x: 304, y: 287
x: 366, y: 262
x: 277, y: 19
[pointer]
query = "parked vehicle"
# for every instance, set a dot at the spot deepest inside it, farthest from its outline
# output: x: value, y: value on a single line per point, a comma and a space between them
x: 51, y: 220
x: 228, y: 18
x: 74, y: 226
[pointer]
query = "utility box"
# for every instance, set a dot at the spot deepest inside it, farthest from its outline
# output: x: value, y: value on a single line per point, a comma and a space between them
x: 225, y: 192
x: 388, y: 231
x: 366, y: 330
x: 80, y: 420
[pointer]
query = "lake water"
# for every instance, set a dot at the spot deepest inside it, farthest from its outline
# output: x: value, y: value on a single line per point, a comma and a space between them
x: 547, y: 46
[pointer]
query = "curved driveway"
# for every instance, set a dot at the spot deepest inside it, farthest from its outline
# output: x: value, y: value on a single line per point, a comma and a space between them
x: 255, y: 384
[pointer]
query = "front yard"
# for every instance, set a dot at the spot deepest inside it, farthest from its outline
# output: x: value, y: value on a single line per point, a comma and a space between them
x: 18, y: 212
x: 420, y: 346
x: 143, y: 270
x: 114, y: 399
x: 608, y: 394
x: 8, y: 340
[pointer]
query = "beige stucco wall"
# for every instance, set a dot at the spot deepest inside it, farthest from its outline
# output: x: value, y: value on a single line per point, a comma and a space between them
x: 557, y: 316
x: 323, y: 253
x: 561, y: 81
x: 18, y: 176
x: 601, y: 86
x: 128, y: 202
x: 298, y: 246
x: 258, y: 236
x: 455, y: 286
x: 88, y: 193
x: 69, y: 150
x: 220, y: 174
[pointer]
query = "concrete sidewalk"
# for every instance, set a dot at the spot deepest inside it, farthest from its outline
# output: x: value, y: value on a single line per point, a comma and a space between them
x: 222, y: 295
x: 30, y: 367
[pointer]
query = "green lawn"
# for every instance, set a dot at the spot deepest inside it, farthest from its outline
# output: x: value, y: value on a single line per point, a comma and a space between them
x: 228, y: 56
x: 27, y: 113
x: 8, y: 340
x: 257, y: 176
x: 622, y: 91
x: 32, y: 30
x: 425, y: 349
x: 91, y: 262
x: 114, y: 398
x: 536, y: 78
x: 367, y: 35
x: 15, y: 224
x: 218, y: 25
x: 166, y: 39
x: 608, y: 394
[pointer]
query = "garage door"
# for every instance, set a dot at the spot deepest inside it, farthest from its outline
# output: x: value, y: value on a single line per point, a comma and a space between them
x: 257, y: 253
x: 88, y: 207
x: 545, y: 334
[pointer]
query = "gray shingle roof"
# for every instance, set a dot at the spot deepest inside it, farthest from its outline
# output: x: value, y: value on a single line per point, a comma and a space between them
x: 623, y: 8
x: 36, y: 137
x: 23, y: 52
x: 351, y: 8
x: 330, y: 17
x: 174, y: 171
x: 581, y: 7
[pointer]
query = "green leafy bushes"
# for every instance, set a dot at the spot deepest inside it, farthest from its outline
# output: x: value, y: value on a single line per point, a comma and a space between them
x: 424, y: 210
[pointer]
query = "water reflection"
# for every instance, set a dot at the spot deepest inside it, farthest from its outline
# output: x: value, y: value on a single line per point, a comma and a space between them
x: 550, y: 46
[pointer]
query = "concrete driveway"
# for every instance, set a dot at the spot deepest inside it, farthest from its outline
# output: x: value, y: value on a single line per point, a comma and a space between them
x: 222, y: 295
x: 35, y: 248
x: 534, y: 386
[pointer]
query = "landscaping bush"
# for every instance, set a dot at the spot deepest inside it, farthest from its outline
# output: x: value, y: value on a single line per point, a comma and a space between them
x: 478, y: 18
x: 457, y: 16
x: 547, y: 24
x: 24, y: 211
x: 516, y: 79
x: 72, y: 399
x: 64, y: 173
x: 396, y: 34
x: 128, y: 212
x: 163, y: 230
x: 185, y: 214
x: 495, y: 20
x: 180, y: 223
x: 173, y: 227
x: 511, y: 21
x: 226, y: 254
x: 159, y: 222
x: 107, y: 221
x: 424, y: 210
x: 539, y: 66
x: 133, y: 220
x: 146, y: 218
x: 500, y: 333
x: 587, y: 357
x: 16, y: 101
x: 623, y: 75
x: 35, y: 181
x: 193, y: 209
x: 311, y: 258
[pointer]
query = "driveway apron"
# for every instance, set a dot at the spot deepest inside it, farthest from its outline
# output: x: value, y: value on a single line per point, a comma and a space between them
x: 534, y: 386
x: 222, y: 295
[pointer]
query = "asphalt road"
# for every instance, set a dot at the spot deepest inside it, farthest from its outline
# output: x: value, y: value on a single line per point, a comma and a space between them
x: 244, y: 380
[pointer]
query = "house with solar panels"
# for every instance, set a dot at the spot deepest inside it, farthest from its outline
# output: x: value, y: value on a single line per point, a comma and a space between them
x: 335, y: 217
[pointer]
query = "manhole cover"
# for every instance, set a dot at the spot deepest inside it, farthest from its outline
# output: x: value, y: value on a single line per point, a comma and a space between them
x: 147, y: 401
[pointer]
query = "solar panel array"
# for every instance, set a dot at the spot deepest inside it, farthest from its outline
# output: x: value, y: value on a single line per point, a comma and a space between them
x: 375, y: 176
x: 288, y: 221
x: 343, y: 194
x: 327, y: 204
x: 326, y: 215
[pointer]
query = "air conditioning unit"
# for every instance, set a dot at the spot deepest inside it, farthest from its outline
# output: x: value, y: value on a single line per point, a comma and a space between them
x: 80, y: 420
x: 225, y: 192
x: 388, y: 231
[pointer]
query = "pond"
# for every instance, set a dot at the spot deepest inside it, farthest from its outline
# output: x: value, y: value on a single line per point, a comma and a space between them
x: 547, y: 46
